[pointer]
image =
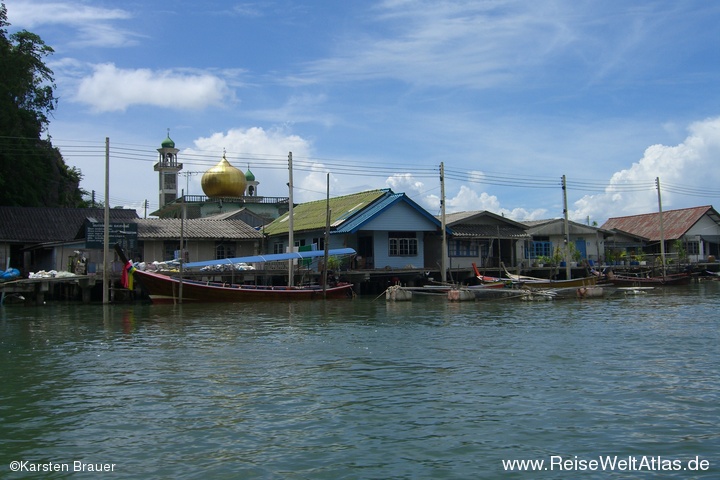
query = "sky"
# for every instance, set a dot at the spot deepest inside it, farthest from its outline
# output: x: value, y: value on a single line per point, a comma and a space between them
x: 508, y: 96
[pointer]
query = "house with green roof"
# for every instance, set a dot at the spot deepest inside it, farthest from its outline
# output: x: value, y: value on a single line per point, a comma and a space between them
x: 387, y: 229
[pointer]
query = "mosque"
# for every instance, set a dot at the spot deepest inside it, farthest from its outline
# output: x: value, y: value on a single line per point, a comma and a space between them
x: 229, y: 193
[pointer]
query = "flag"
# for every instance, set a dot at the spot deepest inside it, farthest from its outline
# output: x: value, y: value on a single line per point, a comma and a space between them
x: 126, y: 278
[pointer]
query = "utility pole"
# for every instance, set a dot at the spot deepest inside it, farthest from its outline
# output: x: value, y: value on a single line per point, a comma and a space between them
x: 291, y: 238
x: 662, y: 233
x: 182, y: 249
x: 568, y: 273
x: 106, y: 234
x: 327, y: 238
x: 443, y: 259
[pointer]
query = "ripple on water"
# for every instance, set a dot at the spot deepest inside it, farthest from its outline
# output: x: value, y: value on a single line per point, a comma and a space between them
x: 363, y: 389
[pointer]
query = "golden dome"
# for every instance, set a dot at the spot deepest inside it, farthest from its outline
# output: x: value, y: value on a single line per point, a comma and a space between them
x: 224, y: 180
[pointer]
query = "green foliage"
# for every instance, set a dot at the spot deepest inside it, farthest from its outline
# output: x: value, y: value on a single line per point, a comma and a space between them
x: 679, y: 248
x: 32, y: 171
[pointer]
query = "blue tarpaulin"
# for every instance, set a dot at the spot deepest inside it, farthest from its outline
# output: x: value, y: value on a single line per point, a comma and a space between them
x: 273, y: 257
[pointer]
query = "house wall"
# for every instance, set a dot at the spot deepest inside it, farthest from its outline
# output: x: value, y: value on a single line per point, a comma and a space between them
x: 488, y: 252
x: 593, y: 243
x: 198, y: 250
x: 707, y: 233
x: 401, y: 217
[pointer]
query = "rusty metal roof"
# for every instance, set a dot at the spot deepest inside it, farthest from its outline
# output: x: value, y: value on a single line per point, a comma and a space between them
x: 675, y: 222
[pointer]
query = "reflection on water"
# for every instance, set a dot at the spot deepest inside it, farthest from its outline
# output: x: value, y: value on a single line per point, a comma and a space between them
x: 361, y: 388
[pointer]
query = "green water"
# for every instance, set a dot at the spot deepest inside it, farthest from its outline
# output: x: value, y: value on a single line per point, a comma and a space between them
x: 361, y: 389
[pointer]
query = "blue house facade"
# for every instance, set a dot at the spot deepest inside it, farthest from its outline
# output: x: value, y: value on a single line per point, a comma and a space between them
x: 387, y: 230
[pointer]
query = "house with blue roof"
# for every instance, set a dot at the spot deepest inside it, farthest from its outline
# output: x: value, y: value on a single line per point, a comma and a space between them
x: 387, y: 229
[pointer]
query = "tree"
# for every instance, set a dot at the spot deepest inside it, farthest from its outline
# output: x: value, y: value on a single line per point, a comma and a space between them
x: 32, y: 171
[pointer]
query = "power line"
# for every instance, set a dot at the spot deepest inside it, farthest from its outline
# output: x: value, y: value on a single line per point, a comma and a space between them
x: 148, y: 154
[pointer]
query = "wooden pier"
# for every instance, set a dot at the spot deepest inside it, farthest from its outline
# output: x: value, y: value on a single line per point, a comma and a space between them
x: 36, y: 290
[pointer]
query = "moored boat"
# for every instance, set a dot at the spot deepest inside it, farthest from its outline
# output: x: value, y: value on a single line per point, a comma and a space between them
x: 165, y: 288
x: 634, y: 281
x: 533, y: 282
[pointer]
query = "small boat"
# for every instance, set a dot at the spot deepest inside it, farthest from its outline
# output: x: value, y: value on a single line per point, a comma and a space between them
x: 484, y: 279
x: 534, y: 282
x: 165, y: 288
x: 635, y: 281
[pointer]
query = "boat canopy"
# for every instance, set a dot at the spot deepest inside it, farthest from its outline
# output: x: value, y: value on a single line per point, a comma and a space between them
x: 273, y: 257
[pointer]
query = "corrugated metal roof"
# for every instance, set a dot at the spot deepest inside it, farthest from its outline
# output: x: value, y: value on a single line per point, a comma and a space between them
x: 41, y: 224
x: 195, y: 228
x: 488, y: 231
x: 313, y: 215
x: 675, y: 222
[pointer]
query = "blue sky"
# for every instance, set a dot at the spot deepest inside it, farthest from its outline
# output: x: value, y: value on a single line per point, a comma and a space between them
x: 509, y: 95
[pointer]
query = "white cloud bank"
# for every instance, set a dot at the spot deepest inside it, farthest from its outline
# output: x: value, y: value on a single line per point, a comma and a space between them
x: 265, y: 153
x: 689, y: 174
x: 111, y: 89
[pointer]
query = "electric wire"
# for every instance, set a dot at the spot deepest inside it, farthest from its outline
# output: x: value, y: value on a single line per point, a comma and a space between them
x: 206, y: 159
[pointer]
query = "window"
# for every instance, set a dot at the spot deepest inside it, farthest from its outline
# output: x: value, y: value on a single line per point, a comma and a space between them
x: 402, y: 244
x: 224, y: 250
x: 463, y: 248
x: 319, y: 242
x: 693, y: 248
x: 540, y: 249
x: 170, y: 181
x: 169, y: 249
x: 278, y: 247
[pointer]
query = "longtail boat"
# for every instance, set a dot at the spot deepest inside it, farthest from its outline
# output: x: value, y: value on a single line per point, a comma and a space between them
x: 165, y: 288
x: 638, y: 281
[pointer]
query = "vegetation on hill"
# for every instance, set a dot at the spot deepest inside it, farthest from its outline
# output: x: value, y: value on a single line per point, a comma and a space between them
x: 32, y: 171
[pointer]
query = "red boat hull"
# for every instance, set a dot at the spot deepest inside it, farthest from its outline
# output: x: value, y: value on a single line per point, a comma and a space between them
x: 165, y: 289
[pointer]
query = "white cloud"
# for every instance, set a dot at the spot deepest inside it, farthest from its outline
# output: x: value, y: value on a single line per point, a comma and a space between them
x: 30, y: 14
x: 111, y: 89
x: 404, y: 182
x: 93, y: 24
x: 265, y: 153
x: 631, y: 191
x: 478, y: 45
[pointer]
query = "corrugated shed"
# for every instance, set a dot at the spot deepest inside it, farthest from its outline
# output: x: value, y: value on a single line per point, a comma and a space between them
x: 675, y: 222
x: 41, y: 225
x: 196, y: 228
x: 456, y: 217
x: 313, y: 215
x: 480, y: 217
x: 488, y: 231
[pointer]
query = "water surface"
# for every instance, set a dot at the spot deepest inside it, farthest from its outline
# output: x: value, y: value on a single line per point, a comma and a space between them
x: 363, y: 389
